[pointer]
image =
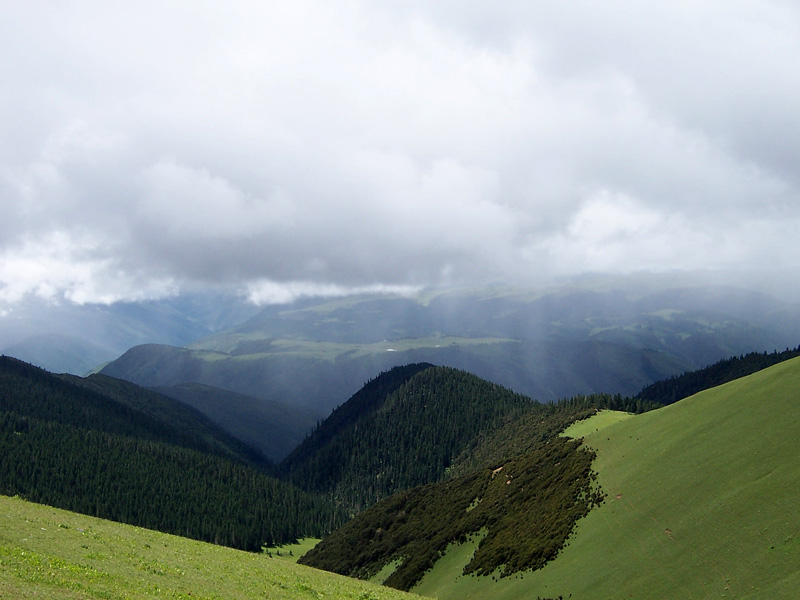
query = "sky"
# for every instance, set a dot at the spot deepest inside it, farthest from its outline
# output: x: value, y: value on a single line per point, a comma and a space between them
x: 309, y: 147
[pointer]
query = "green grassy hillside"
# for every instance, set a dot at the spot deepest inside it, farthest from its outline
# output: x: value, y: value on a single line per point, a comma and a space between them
x: 702, y: 503
x: 50, y: 553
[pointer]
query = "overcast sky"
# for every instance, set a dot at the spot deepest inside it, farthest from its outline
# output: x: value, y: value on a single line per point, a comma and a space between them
x: 306, y: 146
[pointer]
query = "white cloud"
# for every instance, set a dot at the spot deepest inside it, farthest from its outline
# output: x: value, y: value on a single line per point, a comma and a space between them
x: 60, y: 267
x: 151, y: 146
x: 192, y: 203
x: 271, y: 292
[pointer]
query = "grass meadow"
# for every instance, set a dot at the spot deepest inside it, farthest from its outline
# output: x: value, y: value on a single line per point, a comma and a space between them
x: 55, y: 554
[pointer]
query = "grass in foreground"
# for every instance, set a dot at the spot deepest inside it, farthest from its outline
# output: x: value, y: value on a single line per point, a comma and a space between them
x: 51, y: 553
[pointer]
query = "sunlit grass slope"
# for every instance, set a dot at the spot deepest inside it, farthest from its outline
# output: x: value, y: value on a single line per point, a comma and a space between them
x: 703, y: 502
x: 50, y: 553
x: 601, y: 420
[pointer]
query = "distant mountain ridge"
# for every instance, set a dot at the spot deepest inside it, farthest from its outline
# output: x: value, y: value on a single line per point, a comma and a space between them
x: 77, y: 338
x: 545, y: 344
x: 59, y: 353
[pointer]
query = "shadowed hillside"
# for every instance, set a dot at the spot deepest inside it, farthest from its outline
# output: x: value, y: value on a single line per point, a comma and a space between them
x: 273, y: 428
x: 107, y: 448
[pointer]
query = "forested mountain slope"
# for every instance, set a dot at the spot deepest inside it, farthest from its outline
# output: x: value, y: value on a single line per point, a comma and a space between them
x: 69, y: 444
x: 516, y: 485
x: 111, y: 406
x: 522, y: 510
x: 187, y: 422
x: 403, y: 429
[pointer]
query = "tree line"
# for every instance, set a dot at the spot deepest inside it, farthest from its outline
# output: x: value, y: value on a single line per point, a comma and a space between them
x: 681, y: 386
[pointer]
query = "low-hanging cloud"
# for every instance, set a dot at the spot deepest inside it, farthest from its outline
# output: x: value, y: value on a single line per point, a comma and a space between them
x: 302, y: 148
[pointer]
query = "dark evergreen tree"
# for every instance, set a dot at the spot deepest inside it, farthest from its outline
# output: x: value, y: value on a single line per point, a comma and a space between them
x: 682, y: 386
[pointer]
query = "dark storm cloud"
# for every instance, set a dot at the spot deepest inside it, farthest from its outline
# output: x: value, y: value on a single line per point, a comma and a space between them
x: 293, y: 148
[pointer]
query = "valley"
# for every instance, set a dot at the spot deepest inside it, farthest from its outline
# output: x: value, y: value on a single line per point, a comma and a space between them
x: 694, y: 499
x: 392, y: 300
x: 426, y: 478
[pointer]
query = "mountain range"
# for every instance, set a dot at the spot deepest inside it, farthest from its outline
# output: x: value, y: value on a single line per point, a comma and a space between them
x: 427, y: 476
x: 695, y: 497
x: 301, y: 360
